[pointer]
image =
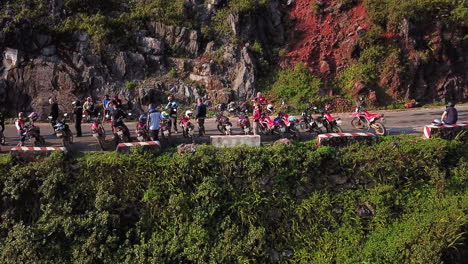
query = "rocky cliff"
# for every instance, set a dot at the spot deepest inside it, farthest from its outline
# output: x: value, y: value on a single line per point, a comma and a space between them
x: 217, y: 48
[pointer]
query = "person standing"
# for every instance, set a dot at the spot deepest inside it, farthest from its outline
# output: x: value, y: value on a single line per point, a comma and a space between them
x: 258, y: 103
x: 154, y: 119
x: 105, y: 105
x: 78, y: 112
x: 117, y: 101
x: 450, y: 115
x: 171, y: 108
x: 54, y: 112
x: 200, y: 115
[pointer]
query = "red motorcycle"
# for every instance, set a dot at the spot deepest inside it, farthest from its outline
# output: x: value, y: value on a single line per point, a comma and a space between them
x: 142, y: 132
x: 99, y: 133
x: 364, y: 120
x: 244, y: 123
x: 164, y: 127
x: 332, y: 124
x: 224, y: 125
x: 187, y: 126
x: 291, y: 123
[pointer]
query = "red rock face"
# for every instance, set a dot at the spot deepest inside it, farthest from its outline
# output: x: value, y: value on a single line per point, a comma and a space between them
x: 325, y: 38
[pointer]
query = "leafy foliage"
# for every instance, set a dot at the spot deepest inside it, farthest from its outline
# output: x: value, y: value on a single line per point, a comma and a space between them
x: 297, y: 85
x: 242, y: 204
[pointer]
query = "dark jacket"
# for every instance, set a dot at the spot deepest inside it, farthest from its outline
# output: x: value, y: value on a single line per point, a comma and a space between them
x: 117, y: 117
x: 78, y: 112
x: 54, y: 111
x: 452, y: 115
x: 200, y: 112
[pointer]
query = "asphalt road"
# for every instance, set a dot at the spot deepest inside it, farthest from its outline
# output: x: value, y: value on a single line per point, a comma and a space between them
x: 397, y: 122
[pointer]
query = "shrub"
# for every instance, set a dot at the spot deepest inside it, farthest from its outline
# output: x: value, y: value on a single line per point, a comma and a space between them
x: 131, y: 85
x: 296, y: 85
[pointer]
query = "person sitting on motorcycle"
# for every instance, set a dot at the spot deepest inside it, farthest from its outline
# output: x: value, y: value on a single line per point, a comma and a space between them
x: 142, y: 122
x: 171, y: 108
x: 117, y: 118
x: 20, y: 124
x: 89, y: 107
x: 450, y: 115
x: 33, y: 116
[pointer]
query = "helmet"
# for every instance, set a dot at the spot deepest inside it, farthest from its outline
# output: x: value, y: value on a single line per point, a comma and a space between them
x: 188, y: 113
x: 437, y: 122
x: 33, y: 116
x: 20, y: 115
x: 451, y: 104
x: 270, y: 107
x: 164, y: 115
x: 142, y: 118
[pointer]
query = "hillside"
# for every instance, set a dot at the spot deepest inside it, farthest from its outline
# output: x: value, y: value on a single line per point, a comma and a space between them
x: 387, y: 50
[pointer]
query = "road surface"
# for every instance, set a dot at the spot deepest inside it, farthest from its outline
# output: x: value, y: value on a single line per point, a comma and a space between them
x: 397, y: 122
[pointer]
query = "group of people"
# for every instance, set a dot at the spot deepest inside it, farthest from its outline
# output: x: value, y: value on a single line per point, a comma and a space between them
x: 112, y: 110
x: 156, y: 115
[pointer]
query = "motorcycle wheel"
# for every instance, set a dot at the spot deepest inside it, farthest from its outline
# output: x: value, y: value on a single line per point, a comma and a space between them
x: 358, y: 122
x: 221, y: 129
x: 39, y: 142
x: 315, y: 131
x: 337, y: 129
x: 100, y: 142
x: 379, y: 129
x: 65, y: 142
x: 303, y: 125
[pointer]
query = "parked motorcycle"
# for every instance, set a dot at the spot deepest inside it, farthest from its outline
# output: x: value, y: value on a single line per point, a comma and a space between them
x: 142, y: 132
x: 34, y: 132
x: 99, y: 133
x: 187, y: 126
x: 122, y: 133
x: 291, y: 123
x: 332, y: 124
x: 364, y: 120
x: 63, y: 132
x: 244, y: 123
x: 223, y: 124
x: 164, y: 127
x: 311, y: 125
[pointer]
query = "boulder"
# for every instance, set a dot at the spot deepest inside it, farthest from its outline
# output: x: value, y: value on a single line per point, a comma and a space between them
x: 186, y: 148
x: 151, y: 46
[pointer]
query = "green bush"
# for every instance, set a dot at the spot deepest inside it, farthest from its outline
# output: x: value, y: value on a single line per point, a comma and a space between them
x: 296, y: 85
x: 403, y: 200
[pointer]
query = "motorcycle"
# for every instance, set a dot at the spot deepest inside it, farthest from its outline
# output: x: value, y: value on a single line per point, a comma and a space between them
x: 244, y: 123
x: 223, y: 124
x: 291, y: 123
x: 99, y: 133
x: 63, y: 132
x: 142, y: 132
x: 332, y: 124
x: 187, y: 126
x: 34, y: 132
x: 164, y: 127
x: 364, y: 120
x: 121, y: 133
x: 311, y: 125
